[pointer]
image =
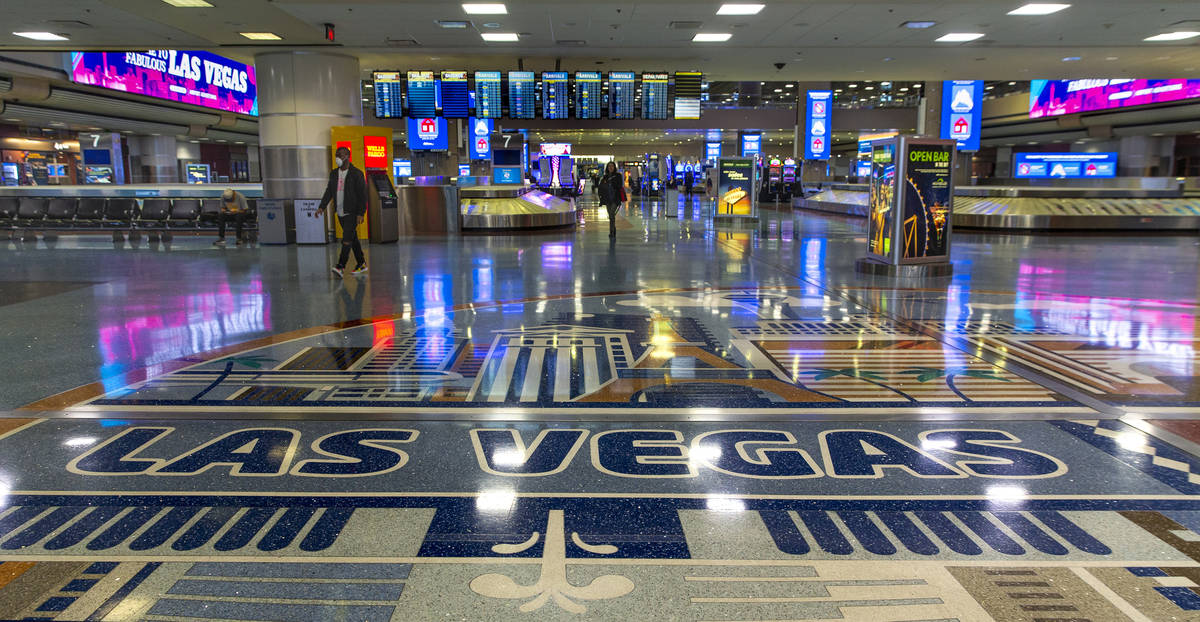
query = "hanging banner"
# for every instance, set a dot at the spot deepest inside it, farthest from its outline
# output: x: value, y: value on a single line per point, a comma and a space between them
x: 962, y: 112
x: 817, y: 135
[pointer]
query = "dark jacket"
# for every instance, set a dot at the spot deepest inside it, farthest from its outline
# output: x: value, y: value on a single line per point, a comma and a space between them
x: 610, y: 188
x: 355, y: 197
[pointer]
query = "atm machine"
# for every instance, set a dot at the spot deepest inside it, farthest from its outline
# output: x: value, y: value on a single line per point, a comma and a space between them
x: 382, y: 217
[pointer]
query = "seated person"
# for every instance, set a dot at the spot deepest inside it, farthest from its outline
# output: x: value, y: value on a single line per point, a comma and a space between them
x: 233, y: 206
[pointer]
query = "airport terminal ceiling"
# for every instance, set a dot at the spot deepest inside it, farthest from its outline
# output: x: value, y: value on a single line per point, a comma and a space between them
x: 814, y: 40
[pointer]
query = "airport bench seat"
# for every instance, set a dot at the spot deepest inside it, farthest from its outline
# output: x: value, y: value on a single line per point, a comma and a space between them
x: 8, y: 209
x: 154, y: 214
x: 184, y: 214
x: 61, y: 211
x: 31, y: 211
x: 90, y: 212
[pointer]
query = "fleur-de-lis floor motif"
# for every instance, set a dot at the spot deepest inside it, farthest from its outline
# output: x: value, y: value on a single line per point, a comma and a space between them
x: 553, y: 583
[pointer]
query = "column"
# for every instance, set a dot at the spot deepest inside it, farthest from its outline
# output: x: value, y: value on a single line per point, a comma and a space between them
x: 154, y: 160
x: 301, y: 94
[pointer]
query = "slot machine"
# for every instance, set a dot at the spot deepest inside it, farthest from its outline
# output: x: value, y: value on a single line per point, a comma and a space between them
x: 789, y: 178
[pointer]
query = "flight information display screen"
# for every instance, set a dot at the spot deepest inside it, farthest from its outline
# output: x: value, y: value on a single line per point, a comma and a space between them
x: 487, y: 95
x: 687, y: 94
x: 422, y: 95
x: 655, y: 100
x: 588, y: 94
x: 389, y: 94
x: 622, y: 87
x: 555, y: 95
x: 522, y: 98
x: 456, y: 95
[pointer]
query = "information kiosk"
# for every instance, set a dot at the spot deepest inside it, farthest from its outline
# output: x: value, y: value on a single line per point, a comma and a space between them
x: 909, y: 209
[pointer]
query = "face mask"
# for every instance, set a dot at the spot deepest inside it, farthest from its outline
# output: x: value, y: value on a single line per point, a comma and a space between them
x: 339, y: 161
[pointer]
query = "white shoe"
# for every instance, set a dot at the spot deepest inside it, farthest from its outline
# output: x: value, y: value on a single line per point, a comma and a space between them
x: 336, y: 270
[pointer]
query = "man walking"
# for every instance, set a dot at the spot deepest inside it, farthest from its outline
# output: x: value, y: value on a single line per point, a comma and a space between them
x: 348, y: 188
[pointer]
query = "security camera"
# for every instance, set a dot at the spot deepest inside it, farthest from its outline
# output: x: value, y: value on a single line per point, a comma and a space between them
x: 780, y: 66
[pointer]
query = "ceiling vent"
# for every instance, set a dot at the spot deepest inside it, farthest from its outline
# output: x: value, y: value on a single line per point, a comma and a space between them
x: 685, y: 25
x: 575, y: 43
x: 402, y: 43
x: 69, y: 23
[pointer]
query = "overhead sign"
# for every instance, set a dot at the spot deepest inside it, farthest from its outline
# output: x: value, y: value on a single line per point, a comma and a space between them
x: 751, y: 145
x: 712, y: 151
x: 1049, y: 98
x: 1064, y: 165
x: 428, y: 134
x: 188, y: 77
x: 481, y: 138
x: 816, y: 125
x: 962, y: 112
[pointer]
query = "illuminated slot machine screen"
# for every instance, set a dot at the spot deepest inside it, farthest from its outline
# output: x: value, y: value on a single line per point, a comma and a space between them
x: 687, y: 94
x: 522, y: 95
x: 655, y: 99
x: 389, y: 94
x: 456, y: 95
x: 422, y: 95
x: 622, y: 91
x: 588, y: 94
x: 556, y: 95
x: 488, y: 104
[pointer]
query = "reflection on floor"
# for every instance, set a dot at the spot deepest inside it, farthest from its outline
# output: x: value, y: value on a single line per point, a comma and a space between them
x: 689, y: 422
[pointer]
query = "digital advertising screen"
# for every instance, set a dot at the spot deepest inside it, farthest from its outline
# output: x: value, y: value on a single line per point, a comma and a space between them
x: 882, y: 200
x: 456, y: 95
x: 522, y: 95
x: 555, y: 95
x: 751, y: 145
x: 188, y: 77
x: 389, y: 94
x: 962, y: 112
x: 712, y: 150
x: 687, y: 94
x: 1064, y: 165
x: 817, y: 135
x: 655, y: 98
x: 428, y: 134
x: 422, y: 95
x: 1049, y: 98
x: 927, y: 200
x: 488, y: 104
x: 622, y: 93
x: 481, y: 138
x: 735, y: 186
x: 588, y: 94
x: 504, y: 175
x: 402, y: 168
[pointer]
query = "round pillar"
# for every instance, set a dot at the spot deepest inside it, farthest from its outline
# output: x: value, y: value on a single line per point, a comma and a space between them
x: 301, y: 94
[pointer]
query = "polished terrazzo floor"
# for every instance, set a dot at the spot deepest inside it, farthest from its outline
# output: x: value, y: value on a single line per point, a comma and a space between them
x: 689, y: 422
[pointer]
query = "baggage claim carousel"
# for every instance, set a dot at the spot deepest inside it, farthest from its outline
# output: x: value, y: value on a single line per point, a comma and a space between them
x: 513, y: 207
x: 1039, y: 208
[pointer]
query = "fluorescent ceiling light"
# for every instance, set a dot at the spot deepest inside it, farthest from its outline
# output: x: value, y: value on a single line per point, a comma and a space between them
x: 188, y: 4
x: 492, y: 8
x: 740, y: 9
x: 499, y: 36
x: 261, y: 36
x: 1038, y: 8
x: 41, y: 36
x: 1166, y: 36
x: 959, y: 37
x: 450, y: 23
x: 711, y: 37
x: 919, y: 25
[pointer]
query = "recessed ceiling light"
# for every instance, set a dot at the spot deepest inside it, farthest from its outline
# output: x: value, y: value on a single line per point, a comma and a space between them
x: 711, y: 37
x: 868, y: 88
x: 853, y: 86
x: 1166, y: 36
x: 188, y: 4
x: 919, y: 25
x: 740, y: 9
x: 41, y: 36
x: 1012, y: 83
x: 959, y: 37
x: 1070, y: 59
x: 261, y: 36
x: 500, y: 36
x: 493, y: 8
x: 1038, y: 8
x: 452, y: 23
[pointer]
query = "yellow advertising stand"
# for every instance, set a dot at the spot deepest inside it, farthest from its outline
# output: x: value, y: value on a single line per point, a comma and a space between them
x: 370, y: 148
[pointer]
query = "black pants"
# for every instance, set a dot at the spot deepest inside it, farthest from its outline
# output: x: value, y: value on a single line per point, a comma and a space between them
x: 239, y: 219
x: 612, y: 215
x: 350, y: 241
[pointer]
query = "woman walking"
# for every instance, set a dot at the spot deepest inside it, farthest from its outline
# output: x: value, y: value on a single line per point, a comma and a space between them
x: 612, y: 195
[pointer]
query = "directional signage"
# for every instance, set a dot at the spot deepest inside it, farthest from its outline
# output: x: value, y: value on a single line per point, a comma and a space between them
x: 962, y: 112
x: 816, y: 125
x: 481, y: 141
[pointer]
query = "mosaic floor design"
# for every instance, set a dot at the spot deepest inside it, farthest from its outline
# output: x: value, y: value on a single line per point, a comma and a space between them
x: 754, y: 350
x: 1062, y: 520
